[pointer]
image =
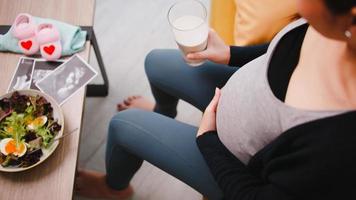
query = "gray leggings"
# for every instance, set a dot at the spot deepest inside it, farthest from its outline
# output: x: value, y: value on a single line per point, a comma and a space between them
x: 137, y: 135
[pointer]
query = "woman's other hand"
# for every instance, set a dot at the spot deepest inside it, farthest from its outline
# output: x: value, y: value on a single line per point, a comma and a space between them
x: 208, y: 122
x: 217, y: 51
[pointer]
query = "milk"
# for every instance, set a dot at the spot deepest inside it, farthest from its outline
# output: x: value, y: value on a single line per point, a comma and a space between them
x: 191, y: 34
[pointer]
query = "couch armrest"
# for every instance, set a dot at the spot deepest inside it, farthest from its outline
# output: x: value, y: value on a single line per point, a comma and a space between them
x: 222, y: 19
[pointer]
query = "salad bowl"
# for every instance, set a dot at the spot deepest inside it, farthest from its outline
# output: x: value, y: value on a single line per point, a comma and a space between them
x: 28, y: 129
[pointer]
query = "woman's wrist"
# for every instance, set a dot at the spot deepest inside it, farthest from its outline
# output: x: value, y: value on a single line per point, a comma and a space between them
x: 227, y: 55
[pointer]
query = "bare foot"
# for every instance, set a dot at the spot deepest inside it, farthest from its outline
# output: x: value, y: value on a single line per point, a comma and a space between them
x: 136, y: 102
x: 93, y: 185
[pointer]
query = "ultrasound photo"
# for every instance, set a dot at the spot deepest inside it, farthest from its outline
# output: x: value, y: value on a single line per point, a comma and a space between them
x: 41, y: 69
x: 67, y: 79
x: 22, y: 77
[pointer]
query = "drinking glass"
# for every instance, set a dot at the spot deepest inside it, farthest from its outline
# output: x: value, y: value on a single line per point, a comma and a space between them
x: 188, y: 20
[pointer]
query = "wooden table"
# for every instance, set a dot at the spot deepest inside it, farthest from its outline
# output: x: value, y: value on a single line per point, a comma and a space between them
x: 53, y: 179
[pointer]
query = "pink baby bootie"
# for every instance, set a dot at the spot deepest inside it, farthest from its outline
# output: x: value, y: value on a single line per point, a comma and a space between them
x: 24, y: 29
x: 49, y: 39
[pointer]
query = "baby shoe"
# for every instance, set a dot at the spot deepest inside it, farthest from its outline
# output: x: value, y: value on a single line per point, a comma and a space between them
x: 49, y: 39
x: 24, y: 29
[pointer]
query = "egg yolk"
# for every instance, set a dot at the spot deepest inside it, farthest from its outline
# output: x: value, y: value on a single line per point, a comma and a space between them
x: 37, y: 122
x: 28, y: 120
x: 11, y: 147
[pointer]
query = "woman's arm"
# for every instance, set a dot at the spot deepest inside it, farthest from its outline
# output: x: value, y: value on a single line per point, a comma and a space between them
x: 231, y: 174
x: 217, y: 51
x: 239, y: 56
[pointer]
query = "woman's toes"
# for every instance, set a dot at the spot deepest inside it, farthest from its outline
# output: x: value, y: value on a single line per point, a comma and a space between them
x: 136, y: 102
x: 121, y: 107
x: 127, y: 102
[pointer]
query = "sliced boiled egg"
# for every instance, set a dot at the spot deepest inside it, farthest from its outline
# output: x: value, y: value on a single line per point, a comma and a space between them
x: 8, y: 146
x: 37, y: 123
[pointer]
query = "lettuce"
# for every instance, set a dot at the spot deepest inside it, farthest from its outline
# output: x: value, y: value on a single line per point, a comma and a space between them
x: 46, y: 135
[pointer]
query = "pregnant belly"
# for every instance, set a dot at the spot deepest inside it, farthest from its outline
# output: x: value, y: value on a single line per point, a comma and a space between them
x: 241, y: 114
x: 229, y: 124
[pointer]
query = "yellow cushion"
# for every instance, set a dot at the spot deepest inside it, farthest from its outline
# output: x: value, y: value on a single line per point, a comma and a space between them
x: 222, y: 19
x: 258, y: 21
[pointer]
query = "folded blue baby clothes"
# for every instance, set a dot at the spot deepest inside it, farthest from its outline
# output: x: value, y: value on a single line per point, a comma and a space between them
x: 72, y: 37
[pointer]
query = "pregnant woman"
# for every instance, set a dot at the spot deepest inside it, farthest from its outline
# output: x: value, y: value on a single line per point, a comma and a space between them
x: 283, y: 127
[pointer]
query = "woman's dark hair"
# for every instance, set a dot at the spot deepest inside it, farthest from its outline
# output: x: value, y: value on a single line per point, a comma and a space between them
x: 340, y: 6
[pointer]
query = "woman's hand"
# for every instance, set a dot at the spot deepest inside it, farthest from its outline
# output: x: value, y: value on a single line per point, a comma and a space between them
x: 217, y: 51
x: 208, y: 122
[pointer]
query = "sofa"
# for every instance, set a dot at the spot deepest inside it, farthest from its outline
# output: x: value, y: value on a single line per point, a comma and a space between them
x: 250, y: 22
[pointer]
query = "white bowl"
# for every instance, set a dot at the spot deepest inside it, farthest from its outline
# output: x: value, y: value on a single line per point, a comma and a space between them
x: 57, y: 115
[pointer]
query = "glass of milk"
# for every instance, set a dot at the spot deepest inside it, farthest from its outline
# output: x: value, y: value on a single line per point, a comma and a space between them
x: 189, y: 23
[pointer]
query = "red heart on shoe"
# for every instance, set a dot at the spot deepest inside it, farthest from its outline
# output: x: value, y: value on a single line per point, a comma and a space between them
x: 49, y: 49
x: 26, y: 45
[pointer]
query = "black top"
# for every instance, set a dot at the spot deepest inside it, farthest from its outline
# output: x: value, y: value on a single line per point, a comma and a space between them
x: 242, y: 55
x: 315, y: 160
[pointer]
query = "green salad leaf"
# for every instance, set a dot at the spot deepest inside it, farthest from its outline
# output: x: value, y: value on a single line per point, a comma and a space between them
x: 46, y: 135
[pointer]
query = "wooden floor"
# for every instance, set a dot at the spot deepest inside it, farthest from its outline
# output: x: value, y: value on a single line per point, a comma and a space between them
x: 126, y: 32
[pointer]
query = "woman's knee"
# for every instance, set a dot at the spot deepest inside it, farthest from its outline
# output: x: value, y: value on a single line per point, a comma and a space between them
x: 159, y: 63
x: 152, y: 61
x: 121, y: 126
